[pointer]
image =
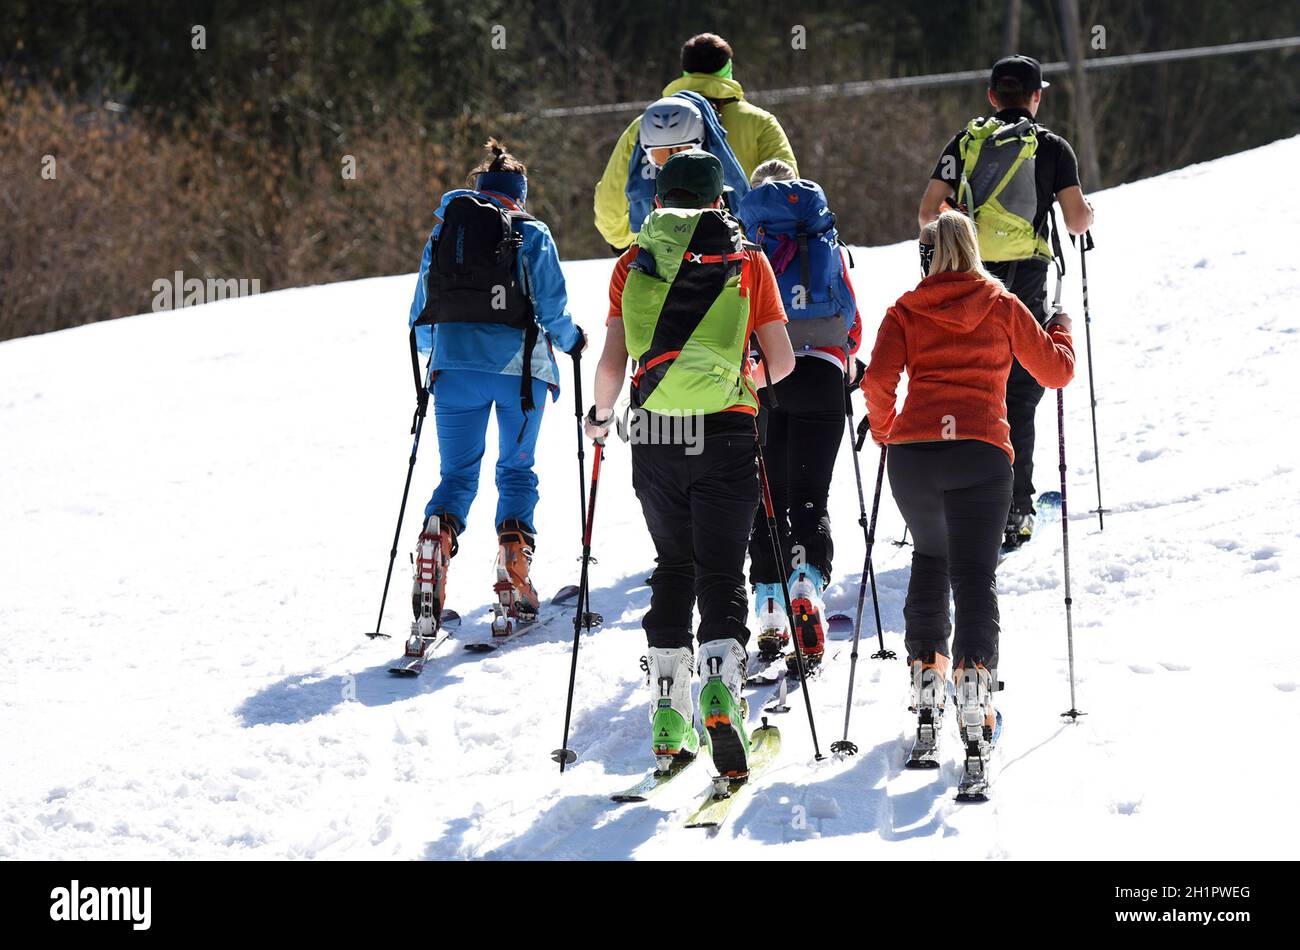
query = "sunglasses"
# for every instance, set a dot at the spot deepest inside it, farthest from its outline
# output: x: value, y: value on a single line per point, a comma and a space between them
x: 660, y: 154
x: 927, y: 257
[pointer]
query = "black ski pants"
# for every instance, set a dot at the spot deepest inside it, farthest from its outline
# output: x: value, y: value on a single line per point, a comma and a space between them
x: 1027, y: 280
x: 954, y: 496
x: 699, y: 509
x: 802, y: 439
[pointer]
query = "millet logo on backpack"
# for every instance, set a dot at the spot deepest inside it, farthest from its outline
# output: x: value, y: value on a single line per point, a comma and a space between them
x: 460, y: 244
x: 76, y: 903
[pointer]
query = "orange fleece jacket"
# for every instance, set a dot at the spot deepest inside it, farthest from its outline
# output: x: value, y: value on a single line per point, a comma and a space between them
x: 955, y: 335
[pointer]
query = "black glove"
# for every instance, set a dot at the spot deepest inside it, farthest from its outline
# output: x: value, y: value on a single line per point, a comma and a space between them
x: 597, y: 429
x: 853, y: 378
x: 864, y: 431
x: 581, y: 346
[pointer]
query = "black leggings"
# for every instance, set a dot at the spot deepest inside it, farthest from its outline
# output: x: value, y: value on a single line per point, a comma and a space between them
x: 803, y: 436
x: 698, y: 509
x: 954, y: 496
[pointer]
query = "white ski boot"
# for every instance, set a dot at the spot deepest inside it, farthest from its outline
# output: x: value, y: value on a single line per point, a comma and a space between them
x: 432, y: 557
x: 980, y: 726
x: 929, y: 692
x: 773, y: 624
x: 722, y: 710
x: 673, y: 734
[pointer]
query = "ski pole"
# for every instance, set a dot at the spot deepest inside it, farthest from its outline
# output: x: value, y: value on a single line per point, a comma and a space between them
x: 1085, y: 246
x: 564, y: 755
x: 417, y: 426
x: 777, y: 546
x: 1073, y: 712
x: 868, y: 574
x: 903, y: 542
x: 582, y: 453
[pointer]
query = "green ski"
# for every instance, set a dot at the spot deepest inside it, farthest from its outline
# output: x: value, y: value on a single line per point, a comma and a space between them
x: 764, y: 745
x: 654, y: 781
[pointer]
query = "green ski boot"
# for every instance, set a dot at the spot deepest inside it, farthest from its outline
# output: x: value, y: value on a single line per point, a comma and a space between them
x: 723, y: 711
x: 672, y: 715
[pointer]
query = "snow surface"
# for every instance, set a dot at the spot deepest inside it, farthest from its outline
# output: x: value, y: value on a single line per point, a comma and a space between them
x: 197, y: 509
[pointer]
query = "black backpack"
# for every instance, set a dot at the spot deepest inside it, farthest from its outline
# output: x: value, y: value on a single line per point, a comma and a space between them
x: 473, y: 276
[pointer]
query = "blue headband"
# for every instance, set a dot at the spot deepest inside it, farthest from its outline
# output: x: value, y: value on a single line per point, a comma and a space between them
x: 511, y: 184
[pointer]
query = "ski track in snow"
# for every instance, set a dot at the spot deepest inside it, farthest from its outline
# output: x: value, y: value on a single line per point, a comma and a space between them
x: 197, y: 509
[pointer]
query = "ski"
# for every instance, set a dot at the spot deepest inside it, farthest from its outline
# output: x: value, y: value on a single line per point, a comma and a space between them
x: 840, y: 624
x: 976, y: 763
x: 925, y: 748
x: 560, y: 602
x: 656, y: 779
x: 420, y: 649
x: 764, y: 745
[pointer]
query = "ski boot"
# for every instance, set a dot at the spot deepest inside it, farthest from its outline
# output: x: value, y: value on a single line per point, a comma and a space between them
x: 773, y: 624
x: 929, y: 691
x: 1020, y: 526
x: 723, y: 712
x: 672, y: 713
x: 806, y: 586
x: 433, y: 554
x: 979, y: 723
x: 517, y: 601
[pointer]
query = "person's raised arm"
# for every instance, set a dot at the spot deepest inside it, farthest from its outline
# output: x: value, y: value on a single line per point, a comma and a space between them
x: 1048, y: 354
x: 1075, y: 209
x: 880, y: 381
x: 936, y: 193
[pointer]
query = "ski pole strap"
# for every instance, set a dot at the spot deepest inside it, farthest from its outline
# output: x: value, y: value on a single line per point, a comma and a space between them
x: 421, y: 385
x: 1058, y: 256
x: 768, y: 393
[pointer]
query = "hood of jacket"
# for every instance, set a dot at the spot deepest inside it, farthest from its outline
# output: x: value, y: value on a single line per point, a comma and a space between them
x: 710, y: 87
x: 958, y: 302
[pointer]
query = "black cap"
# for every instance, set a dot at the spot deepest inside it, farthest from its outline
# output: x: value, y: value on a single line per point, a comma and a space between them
x: 696, y: 172
x: 1025, y: 69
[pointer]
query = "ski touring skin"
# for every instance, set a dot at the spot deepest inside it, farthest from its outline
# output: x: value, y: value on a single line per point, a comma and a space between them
x: 419, y: 648
x: 764, y: 745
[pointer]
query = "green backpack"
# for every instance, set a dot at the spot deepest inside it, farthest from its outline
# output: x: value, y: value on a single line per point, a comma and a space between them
x: 997, y: 188
x: 685, y: 315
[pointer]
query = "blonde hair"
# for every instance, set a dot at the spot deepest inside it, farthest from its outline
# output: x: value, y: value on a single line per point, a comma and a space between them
x: 956, y: 248
x: 774, y: 169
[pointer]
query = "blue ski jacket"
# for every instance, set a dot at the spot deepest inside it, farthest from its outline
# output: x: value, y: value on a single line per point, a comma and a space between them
x: 494, y: 348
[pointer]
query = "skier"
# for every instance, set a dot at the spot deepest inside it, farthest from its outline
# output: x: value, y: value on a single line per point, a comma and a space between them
x: 678, y: 123
x: 950, y: 457
x: 684, y: 302
x: 789, y: 218
x: 487, y: 308
x: 1006, y: 171
x: 753, y: 134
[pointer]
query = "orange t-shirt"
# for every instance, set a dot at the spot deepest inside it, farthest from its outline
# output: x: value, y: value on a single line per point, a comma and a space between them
x: 757, y: 282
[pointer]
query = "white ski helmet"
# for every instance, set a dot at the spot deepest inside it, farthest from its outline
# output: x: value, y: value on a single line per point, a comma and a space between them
x: 671, y: 121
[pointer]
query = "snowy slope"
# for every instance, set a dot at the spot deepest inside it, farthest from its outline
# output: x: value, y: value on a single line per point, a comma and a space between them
x: 196, y: 509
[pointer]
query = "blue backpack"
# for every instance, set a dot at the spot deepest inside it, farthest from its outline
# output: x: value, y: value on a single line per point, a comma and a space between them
x: 791, y: 222
x: 641, y: 172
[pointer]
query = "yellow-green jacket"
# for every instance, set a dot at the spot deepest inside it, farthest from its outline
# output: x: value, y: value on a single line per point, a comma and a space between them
x: 753, y: 133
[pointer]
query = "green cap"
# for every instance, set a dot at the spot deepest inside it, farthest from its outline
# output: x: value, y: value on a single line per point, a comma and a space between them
x: 696, y: 172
